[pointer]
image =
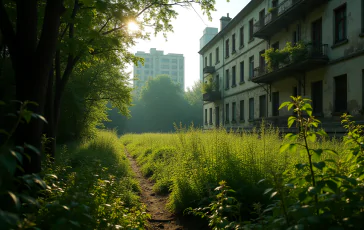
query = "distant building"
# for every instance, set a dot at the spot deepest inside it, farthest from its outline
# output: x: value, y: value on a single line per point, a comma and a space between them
x: 326, y: 64
x: 157, y: 63
x: 208, y: 34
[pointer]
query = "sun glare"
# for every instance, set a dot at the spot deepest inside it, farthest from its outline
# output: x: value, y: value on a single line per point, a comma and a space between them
x: 132, y: 26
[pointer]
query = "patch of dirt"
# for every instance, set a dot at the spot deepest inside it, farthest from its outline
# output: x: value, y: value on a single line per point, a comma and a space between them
x: 156, y: 206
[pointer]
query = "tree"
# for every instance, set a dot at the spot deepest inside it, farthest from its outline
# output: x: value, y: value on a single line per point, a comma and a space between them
x: 43, y: 57
x: 194, y: 98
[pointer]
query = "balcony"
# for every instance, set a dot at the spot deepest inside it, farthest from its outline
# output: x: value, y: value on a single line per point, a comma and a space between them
x: 306, y: 57
x: 283, y: 15
x: 209, y: 69
x: 211, y: 96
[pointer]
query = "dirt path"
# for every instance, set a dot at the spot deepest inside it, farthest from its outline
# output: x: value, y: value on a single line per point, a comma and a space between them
x: 161, y: 218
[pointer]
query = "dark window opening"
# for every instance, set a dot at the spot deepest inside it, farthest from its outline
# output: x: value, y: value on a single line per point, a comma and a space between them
x: 227, y: 48
x: 340, y: 23
x: 205, y: 116
x: 233, y: 43
x: 210, y: 61
x: 251, y: 25
x: 233, y: 77
x: 275, y: 104
x: 341, y: 93
x: 251, y: 108
x: 242, y: 118
x: 233, y: 111
x: 317, y: 98
x: 217, y: 82
x: 217, y: 55
x: 241, y: 43
x: 242, y: 71
x: 227, y: 78
x: 217, y: 116
x: 263, y: 106
x: 227, y: 113
x: 210, y: 120
x: 251, y: 67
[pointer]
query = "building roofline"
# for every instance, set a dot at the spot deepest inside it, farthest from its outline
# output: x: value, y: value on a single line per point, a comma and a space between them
x: 247, y: 9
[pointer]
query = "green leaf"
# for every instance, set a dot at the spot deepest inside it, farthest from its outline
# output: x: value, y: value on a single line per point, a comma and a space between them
x: 308, y: 108
x: 332, y: 185
x: 4, y: 132
x: 321, y: 132
x: 312, y: 190
x: 316, y: 154
x: 262, y: 180
x: 290, y: 147
x: 273, y: 194
x: 9, y: 162
x: 311, y: 137
x: 27, y: 115
x: 301, y: 166
x: 291, y: 120
x: 291, y: 137
x: 268, y: 190
x: 15, y: 199
x: 31, y: 147
x: 39, y: 117
x: 284, y: 104
x: 17, y: 156
x: 320, y: 165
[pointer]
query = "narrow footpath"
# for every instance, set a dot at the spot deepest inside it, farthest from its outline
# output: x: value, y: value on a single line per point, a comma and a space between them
x: 156, y: 204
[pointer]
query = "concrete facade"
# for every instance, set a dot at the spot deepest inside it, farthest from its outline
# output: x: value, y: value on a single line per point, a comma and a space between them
x: 334, y: 83
x: 157, y: 63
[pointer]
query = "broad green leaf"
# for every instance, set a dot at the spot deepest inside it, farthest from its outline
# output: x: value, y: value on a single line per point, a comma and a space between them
x: 322, y: 132
x: 291, y: 137
x: 289, y: 107
x: 316, y: 154
x: 31, y: 147
x: 15, y: 199
x: 273, y: 194
x: 291, y: 120
x: 301, y: 166
x: 268, y: 190
x: 332, y: 185
x: 284, y: 104
x: 311, y: 137
x: 319, y: 165
x: 17, y: 156
x: 39, y: 117
x: 262, y: 180
x: 27, y: 115
x: 290, y: 147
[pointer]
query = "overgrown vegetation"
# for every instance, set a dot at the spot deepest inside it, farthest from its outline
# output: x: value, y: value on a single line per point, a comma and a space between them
x: 190, y: 163
x: 323, y: 191
x: 90, y: 186
x: 209, y: 85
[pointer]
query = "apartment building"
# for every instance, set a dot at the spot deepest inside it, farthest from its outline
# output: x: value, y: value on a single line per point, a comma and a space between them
x: 157, y: 63
x: 324, y: 61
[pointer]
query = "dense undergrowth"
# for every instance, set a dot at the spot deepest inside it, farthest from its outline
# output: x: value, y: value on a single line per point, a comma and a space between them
x: 191, y: 162
x: 90, y: 186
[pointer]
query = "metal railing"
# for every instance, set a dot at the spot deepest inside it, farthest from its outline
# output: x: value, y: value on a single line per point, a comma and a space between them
x: 311, y: 51
x: 274, y: 13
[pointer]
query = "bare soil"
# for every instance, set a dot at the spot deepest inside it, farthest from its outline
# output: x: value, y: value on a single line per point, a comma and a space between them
x: 161, y: 218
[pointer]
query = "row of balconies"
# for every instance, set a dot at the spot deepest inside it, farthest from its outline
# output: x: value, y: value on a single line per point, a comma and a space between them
x: 280, y: 65
x: 282, y: 15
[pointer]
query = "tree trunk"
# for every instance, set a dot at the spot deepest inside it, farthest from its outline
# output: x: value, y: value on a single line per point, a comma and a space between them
x: 50, y: 144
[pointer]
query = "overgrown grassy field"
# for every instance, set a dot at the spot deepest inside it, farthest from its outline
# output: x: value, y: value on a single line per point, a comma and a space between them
x: 190, y: 163
x: 94, y: 190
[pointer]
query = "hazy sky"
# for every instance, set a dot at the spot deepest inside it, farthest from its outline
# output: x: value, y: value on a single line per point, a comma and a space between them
x: 188, y: 29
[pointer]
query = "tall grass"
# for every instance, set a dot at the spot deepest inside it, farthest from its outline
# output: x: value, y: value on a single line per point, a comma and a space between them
x: 190, y: 163
x: 96, y: 188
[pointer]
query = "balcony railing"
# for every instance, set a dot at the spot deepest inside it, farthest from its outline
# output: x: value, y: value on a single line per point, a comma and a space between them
x: 313, y: 56
x: 293, y: 9
x: 211, y: 96
x: 209, y: 69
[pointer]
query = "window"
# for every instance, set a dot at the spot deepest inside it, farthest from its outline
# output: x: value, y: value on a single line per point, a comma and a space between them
x: 241, y: 33
x: 241, y: 72
x: 362, y: 16
x: 227, y: 48
x: 251, y: 25
x: 210, y: 62
x: 275, y: 104
x: 217, y: 116
x: 217, y: 55
x: 174, y: 67
x: 251, y: 108
x: 165, y: 60
x: 251, y: 67
x: 296, y: 36
x: 341, y: 93
x: 233, y: 44
x: 340, y: 23
x: 233, y: 111
x: 233, y: 78
x: 217, y: 82
x: 205, y: 116
x: 263, y: 106
x: 174, y: 61
x: 227, y: 79
x: 227, y: 113
x: 165, y: 72
x: 210, y: 120
x: 205, y: 61
x: 165, y: 66
x: 242, y: 118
